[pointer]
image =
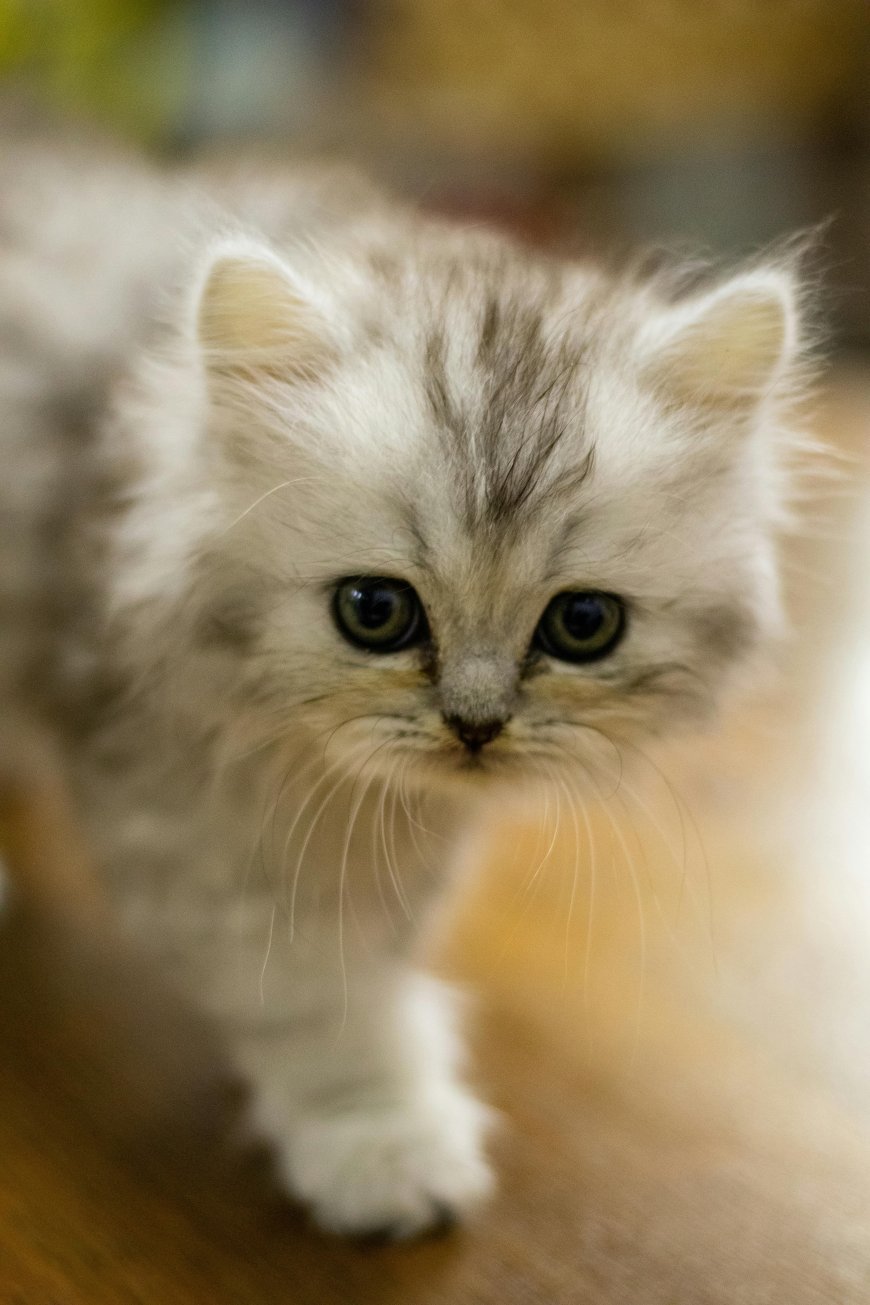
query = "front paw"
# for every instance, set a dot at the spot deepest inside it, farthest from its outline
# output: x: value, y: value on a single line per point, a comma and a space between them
x: 397, y: 1169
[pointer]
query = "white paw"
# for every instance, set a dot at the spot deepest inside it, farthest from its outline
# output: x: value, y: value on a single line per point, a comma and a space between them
x: 393, y: 1169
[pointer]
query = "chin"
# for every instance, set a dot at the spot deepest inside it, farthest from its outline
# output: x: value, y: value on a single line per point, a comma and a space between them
x: 455, y: 768
x: 437, y: 764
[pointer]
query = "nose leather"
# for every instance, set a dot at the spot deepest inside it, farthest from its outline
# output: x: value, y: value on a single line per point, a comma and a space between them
x: 475, y: 734
x: 477, y: 690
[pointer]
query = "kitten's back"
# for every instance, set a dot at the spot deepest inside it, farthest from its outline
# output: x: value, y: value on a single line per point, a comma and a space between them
x: 86, y: 251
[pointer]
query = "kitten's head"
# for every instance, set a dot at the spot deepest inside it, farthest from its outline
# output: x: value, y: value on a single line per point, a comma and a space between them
x: 482, y: 512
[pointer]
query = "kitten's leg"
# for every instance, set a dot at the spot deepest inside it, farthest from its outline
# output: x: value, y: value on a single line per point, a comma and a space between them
x: 362, y: 1092
x: 353, y: 1055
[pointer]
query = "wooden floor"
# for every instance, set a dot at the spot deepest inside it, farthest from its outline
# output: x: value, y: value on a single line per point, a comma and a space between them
x: 674, y: 1018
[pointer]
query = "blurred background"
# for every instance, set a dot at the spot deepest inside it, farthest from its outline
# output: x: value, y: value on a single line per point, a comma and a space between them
x: 680, y: 1044
x: 596, y: 123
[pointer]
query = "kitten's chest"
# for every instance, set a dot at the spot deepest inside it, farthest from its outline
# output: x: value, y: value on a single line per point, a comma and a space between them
x: 190, y: 852
x: 175, y: 844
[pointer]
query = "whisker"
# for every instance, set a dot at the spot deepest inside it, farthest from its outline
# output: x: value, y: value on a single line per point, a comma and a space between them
x: 684, y: 813
x: 641, y: 919
x: 393, y: 861
x: 572, y: 805
x: 268, y: 954
x: 379, y: 842
x: 303, y: 480
x: 342, y: 877
x: 309, y: 834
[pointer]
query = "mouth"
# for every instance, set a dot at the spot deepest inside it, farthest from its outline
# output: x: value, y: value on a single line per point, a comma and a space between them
x: 447, y: 758
x: 479, y: 763
x: 437, y: 756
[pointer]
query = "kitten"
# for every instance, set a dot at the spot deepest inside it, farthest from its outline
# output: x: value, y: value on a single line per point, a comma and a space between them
x: 321, y: 522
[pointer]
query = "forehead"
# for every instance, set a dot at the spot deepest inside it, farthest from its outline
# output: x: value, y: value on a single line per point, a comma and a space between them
x: 508, y: 414
x: 482, y: 383
x: 498, y: 450
x: 498, y: 440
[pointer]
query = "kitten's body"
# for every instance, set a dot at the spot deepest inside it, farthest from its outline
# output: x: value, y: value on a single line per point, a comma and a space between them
x: 220, y: 395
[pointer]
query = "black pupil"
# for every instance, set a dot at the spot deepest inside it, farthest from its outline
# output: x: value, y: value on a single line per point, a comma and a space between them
x: 375, y: 606
x: 582, y: 616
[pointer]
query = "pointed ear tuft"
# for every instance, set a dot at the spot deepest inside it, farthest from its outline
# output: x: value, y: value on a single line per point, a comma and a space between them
x: 255, y: 318
x: 728, y: 348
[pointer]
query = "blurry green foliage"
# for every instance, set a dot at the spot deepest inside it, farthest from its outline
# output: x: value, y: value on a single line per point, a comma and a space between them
x: 120, y: 61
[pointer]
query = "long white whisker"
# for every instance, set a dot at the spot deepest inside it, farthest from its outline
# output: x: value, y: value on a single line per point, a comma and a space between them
x: 268, y: 954
x: 394, y: 861
x: 526, y: 892
x: 684, y: 812
x: 572, y: 805
x: 641, y: 919
x: 300, y: 859
x: 257, y: 501
x: 379, y: 842
x: 342, y: 876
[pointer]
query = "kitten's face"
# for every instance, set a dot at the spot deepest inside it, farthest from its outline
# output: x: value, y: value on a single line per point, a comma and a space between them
x: 504, y: 519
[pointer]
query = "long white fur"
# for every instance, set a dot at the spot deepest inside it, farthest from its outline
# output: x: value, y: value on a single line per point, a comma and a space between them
x: 275, y: 814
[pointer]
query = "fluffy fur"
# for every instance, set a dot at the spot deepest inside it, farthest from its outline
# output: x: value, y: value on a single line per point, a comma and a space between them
x: 221, y: 393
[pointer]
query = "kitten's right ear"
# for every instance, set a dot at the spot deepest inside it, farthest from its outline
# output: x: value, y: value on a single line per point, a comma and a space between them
x: 724, y: 349
x: 256, y: 319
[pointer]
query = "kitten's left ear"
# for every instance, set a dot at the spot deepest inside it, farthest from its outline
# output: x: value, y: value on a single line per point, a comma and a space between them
x: 726, y: 349
x: 257, y: 319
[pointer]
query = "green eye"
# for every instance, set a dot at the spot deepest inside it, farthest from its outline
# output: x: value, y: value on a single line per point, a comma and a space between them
x: 581, y: 626
x: 377, y: 613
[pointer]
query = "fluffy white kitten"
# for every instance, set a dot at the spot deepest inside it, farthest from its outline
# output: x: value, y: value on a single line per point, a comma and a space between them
x: 320, y: 520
